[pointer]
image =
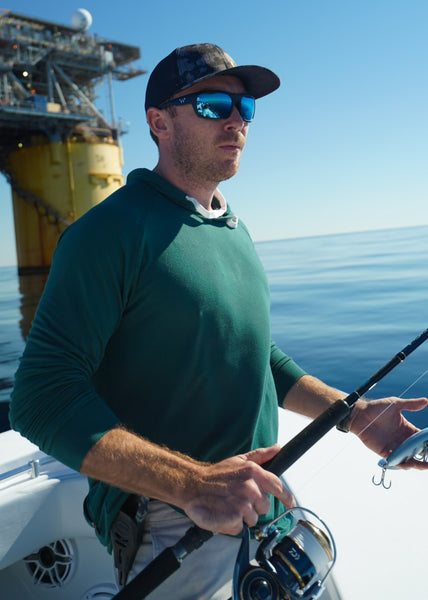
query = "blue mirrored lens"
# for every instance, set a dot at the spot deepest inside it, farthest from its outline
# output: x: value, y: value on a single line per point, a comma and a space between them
x: 220, y: 105
x: 247, y: 108
x: 214, y: 106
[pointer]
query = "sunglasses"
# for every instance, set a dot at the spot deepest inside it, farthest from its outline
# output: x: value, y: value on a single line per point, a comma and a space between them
x: 217, y: 105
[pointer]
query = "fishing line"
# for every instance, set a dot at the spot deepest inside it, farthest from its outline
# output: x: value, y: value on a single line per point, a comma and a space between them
x: 386, y: 409
x: 352, y: 440
x: 414, y: 383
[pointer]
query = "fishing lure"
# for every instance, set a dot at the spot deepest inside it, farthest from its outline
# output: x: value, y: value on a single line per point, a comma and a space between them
x: 416, y: 446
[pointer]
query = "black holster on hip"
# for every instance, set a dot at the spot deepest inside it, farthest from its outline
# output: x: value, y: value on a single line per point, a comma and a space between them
x: 126, y: 534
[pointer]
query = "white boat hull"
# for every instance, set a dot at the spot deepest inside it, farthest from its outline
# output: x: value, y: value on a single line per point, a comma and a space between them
x: 47, y: 550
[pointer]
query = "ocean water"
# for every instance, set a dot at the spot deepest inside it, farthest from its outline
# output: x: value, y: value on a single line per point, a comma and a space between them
x: 342, y: 306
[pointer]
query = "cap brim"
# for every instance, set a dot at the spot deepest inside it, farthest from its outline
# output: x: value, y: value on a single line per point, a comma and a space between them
x: 258, y: 81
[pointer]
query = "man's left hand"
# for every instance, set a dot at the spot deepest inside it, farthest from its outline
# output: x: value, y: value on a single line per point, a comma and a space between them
x: 382, y: 427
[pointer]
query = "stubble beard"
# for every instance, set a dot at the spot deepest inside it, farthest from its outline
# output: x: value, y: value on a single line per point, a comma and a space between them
x: 191, y: 158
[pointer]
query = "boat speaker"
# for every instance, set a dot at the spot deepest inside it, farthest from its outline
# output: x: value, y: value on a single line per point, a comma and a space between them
x: 52, y: 565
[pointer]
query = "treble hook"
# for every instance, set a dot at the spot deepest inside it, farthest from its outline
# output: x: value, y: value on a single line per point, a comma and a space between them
x: 415, y: 447
x: 382, y: 479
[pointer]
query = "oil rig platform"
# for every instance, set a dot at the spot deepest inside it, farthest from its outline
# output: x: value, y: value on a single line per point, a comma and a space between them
x: 60, y: 153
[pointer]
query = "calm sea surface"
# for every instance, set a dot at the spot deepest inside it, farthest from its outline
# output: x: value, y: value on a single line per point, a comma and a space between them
x: 342, y: 306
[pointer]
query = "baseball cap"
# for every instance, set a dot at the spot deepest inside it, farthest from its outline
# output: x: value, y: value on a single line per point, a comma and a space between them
x: 188, y: 65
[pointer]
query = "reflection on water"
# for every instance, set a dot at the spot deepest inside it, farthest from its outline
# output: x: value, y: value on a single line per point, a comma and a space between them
x: 31, y: 288
x: 19, y: 298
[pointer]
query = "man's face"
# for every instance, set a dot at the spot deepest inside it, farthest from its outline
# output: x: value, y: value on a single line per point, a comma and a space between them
x: 208, y: 150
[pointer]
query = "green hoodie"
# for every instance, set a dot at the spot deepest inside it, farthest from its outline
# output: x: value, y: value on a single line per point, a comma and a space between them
x: 157, y: 318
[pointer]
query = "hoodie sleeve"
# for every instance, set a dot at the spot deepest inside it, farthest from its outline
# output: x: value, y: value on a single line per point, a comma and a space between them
x: 285, y: 372
x: 54, y: 402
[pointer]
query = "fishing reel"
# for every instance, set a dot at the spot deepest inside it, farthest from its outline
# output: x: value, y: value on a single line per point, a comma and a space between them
x: 292, y: 568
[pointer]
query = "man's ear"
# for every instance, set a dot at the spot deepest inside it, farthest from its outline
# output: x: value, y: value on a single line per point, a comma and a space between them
x: 159, y: 122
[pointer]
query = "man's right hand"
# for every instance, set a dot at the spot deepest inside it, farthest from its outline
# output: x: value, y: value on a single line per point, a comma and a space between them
x: 219, y: 497
x: 234, y: 491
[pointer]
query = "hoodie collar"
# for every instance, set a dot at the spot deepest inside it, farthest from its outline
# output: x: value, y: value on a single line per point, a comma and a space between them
x: 174, y: 194
x: 214, y: 213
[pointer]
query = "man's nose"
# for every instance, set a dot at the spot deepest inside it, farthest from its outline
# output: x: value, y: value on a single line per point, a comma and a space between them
x: 235, y: 121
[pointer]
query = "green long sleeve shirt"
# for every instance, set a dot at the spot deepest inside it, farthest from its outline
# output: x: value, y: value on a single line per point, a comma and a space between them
x: 159, y: 319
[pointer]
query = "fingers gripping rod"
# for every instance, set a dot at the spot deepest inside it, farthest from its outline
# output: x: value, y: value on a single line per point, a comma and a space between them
x: 171, y: 558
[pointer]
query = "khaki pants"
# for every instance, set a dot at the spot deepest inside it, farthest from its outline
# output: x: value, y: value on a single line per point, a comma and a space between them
x: 206, y: 574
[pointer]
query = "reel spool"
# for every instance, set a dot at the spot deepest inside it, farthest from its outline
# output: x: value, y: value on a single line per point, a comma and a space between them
x: 293, y: 568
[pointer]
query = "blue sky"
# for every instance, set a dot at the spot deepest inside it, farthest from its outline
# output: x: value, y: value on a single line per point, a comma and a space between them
x: 341, y: 146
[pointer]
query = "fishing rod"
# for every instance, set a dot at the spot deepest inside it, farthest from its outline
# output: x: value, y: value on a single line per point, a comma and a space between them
x: 166, y: 563
x: 336, y: 413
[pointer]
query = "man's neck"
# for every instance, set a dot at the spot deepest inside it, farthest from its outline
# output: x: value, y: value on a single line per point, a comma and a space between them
x: 204, y: 194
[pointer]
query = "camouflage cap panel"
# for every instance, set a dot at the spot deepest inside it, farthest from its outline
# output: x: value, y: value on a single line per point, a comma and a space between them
x: 195, y: 63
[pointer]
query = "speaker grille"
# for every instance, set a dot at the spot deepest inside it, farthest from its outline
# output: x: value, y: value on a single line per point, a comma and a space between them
x: 52, y: 565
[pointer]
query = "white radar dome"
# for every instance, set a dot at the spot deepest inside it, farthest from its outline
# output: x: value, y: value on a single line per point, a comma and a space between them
x: 81, y: 19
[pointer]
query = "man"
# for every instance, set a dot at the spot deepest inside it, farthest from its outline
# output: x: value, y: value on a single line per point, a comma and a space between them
x: 150, y: 367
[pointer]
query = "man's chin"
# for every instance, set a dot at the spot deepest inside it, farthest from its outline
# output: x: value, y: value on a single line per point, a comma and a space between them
x: 229, y: 171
